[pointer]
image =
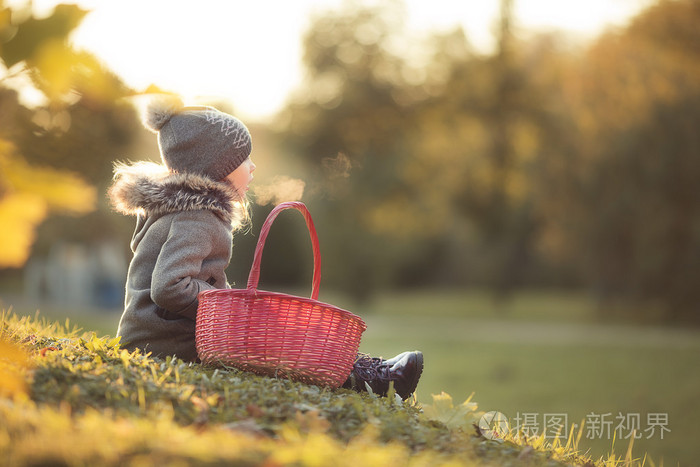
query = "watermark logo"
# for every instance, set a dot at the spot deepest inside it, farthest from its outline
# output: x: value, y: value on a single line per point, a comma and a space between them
x: 493, y: 425
x: 556, y: 425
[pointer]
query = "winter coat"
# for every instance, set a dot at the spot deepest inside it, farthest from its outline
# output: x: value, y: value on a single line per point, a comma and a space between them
x: 181, y: 246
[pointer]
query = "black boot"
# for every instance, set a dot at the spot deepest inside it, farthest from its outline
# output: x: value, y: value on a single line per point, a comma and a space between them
x: 404, y: 370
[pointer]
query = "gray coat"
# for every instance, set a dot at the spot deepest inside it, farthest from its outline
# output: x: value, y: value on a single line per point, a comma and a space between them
x: 181, y: 246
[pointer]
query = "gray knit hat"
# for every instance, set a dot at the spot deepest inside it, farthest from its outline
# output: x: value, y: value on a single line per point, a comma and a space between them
x: 199, y: 140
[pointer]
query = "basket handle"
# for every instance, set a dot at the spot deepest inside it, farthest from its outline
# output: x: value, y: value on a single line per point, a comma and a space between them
x: 254, y: 275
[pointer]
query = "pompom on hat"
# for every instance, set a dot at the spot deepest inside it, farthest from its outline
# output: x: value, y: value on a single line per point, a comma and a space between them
x: 198, y: 140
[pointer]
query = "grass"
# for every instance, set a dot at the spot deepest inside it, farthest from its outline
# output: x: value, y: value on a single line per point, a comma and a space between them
x: 527, y: 359
x: 68, y: 398
x: 539, y: 354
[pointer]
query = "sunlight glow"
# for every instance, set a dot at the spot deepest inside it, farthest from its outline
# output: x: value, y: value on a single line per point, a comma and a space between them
x: 250, y: 52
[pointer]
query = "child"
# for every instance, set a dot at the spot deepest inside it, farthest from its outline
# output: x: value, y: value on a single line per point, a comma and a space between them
x: 186, y: 210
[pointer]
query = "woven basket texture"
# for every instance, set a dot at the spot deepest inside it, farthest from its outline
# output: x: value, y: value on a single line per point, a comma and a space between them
x: 277, y: 334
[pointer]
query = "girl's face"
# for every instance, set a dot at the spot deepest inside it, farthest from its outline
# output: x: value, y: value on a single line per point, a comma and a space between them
x: 241, y: 178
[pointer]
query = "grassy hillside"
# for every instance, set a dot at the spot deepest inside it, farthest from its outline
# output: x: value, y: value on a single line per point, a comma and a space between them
x: 72, y: 398
x: 546, y: 353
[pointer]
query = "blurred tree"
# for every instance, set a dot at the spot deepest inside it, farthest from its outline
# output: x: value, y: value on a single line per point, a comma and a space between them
x: 424, y: 148
x: 412, y: 141
x: 28, y: 194
x: 49, y: 147
x: 646, y: 242
x: 349, y: 119
x: 633, y: 202
x: 540, y: 164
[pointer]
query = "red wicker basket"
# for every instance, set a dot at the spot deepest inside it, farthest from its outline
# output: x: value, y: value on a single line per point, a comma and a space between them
x: 277, y: 334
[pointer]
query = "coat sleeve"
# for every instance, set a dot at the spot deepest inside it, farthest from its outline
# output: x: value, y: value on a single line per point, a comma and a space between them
x: 174, y: 283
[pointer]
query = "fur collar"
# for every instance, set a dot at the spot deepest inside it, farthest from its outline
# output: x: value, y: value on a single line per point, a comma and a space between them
x: 151, y: 188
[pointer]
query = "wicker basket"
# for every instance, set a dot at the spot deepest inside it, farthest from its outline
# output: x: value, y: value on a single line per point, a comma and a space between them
x: 277, y: 334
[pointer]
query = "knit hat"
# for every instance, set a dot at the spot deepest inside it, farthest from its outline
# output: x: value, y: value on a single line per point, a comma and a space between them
x: 199, y: 140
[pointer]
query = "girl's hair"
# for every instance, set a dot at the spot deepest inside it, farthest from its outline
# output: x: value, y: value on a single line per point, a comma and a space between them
x: 244, y: 220
x: 242, y: 217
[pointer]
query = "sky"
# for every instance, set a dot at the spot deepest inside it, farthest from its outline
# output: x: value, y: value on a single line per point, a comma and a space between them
x: 249, y: 52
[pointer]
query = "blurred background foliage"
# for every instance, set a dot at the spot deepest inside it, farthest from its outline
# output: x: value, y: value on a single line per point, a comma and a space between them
x: 55, y: 151
x: 539, y: 165
x: 425, y: 163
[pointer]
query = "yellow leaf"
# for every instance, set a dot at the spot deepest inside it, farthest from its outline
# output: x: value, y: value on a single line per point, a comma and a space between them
x: 54, y: 60
x: 13, y: 363
x: 443, y: 410
x: 62, y: 191
x: 19, y: 216
x: 27, y: 194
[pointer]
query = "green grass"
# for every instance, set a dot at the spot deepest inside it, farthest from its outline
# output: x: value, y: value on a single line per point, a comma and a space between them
x: 541, y: 353
x: 71, y: 398
x: 529, y: 359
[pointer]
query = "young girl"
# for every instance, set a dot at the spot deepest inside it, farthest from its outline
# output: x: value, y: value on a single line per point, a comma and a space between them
x: 186, y: 210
